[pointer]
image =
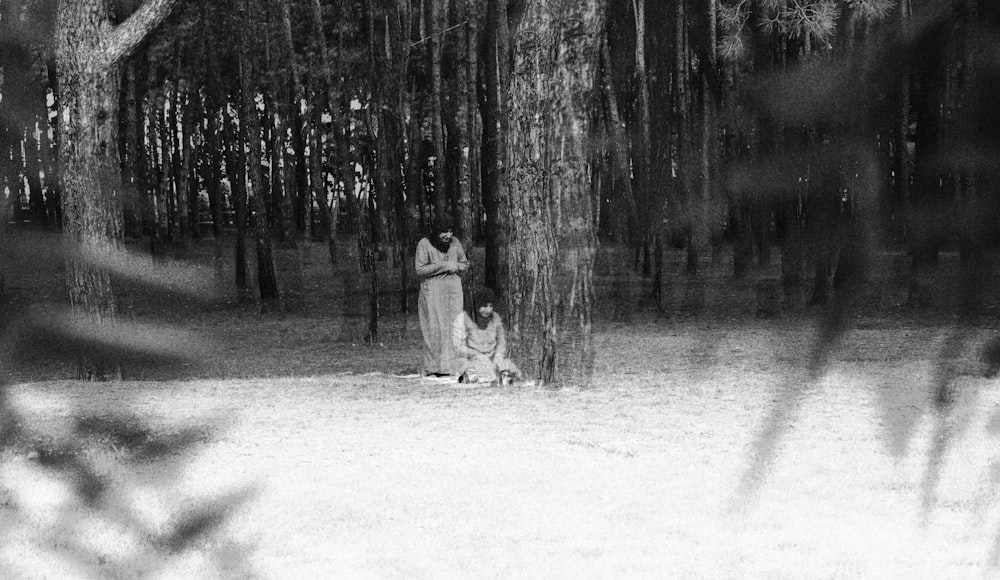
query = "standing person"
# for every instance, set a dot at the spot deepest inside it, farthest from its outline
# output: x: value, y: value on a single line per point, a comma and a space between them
x: 481, y: 343
x: 439, y: 261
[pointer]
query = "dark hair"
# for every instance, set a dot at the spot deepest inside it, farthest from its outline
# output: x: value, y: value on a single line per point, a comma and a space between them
x: 482, y: 297
x: 443, y: 224
x: 437, y: 227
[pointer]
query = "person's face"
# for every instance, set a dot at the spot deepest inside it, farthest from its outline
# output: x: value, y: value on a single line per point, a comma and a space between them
x: 445, y: 236
x: 486, y: 310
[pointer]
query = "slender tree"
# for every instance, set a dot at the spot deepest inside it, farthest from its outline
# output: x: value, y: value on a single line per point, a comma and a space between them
x: 493, y: 105
x: 322, y: 100
x: 617, y: 181
x: 437, y: 19
x: 250, y: 139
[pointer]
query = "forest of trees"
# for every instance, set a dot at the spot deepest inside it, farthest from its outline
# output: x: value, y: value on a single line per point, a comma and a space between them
x: 809, y: 132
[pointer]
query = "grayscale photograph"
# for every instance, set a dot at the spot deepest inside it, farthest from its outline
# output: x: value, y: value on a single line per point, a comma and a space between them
x: 500, y: 289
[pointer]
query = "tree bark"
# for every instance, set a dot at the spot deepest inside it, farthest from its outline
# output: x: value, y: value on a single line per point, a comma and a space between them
x: 323, y: 87
x: 438, y: 16
x: 135, y: 161
x: 185, y: 160
x: 496, y: 74
x: 250, y: 131
x: 463, y: 193
x: 641, y: 135
x: 929, y: 182
x: 236, y: 172
x: 292, y: 165
x: 552, y: 234
x: 90, y: 50
x: 622, y: 205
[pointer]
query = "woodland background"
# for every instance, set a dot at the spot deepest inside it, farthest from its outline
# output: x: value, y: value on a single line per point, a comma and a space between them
x: 753, y: 241
x: 811, y: 134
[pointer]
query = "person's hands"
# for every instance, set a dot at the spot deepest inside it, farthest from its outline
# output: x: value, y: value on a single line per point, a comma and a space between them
x: 451, y: 267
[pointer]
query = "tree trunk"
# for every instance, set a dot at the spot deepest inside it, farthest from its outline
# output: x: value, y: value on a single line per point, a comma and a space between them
x: 682, y: 106
x: 168, y: 168
x: 16, y: 175
x: 927, y: 210
x: 622, y: 208
x: 176, y: 200
x: 135, y: 162
x: 53, y: 198
x: 551, y: 220
x: 415, y: 164
x: 476, y: 9
x: 702, y: 208
x: 250, y: 130
x: 158, y: 175
x: 463, y: 194
x: 299, y: 188
x: 496, y: 75
x: 438, y: 16
x: 236, y: 171
x: 323, y: 85
x: 292, y: 165
x: 318, y: 178
x: 641, y: 138
x: 36, y: 198
x: 90, y: 52
x: 212, y: 166
x: 186, y: 209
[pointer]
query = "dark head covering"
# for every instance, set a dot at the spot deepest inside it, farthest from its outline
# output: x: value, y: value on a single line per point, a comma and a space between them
x: 483, y: 296
x: 442, y: 224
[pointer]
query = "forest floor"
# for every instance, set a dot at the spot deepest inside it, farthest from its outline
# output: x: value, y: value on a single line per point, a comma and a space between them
x: 284, y: 447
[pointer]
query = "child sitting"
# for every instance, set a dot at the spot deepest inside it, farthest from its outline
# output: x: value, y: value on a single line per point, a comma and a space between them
x: 481, y: 344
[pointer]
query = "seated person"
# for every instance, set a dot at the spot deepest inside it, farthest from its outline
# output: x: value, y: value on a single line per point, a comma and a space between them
x: 481, y: 344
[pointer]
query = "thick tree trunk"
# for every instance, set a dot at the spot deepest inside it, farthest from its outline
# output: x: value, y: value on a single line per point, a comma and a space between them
x: 551, y: 227
x: 89, y: 51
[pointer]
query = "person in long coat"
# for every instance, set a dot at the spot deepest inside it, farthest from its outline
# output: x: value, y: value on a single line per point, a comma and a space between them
x: 439, y: 261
